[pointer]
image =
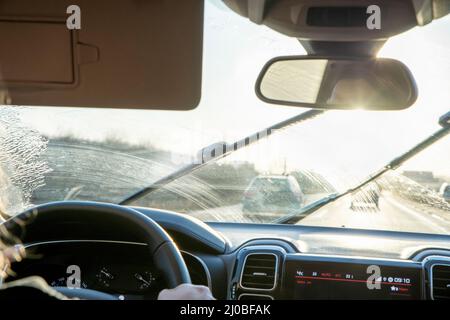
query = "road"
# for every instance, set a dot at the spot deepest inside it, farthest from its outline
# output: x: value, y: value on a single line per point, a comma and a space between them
x: 91, y: 167
x: 393, y: 214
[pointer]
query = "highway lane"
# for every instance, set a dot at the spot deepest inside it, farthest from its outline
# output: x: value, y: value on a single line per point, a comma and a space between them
x: 234, y: 213
x: 90, y: 167
x: 393, y: 214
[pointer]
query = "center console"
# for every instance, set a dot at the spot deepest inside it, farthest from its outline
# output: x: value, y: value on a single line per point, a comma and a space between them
x: 269, y: 272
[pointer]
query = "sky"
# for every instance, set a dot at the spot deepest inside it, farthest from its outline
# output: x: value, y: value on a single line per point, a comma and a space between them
x: 339, y: 144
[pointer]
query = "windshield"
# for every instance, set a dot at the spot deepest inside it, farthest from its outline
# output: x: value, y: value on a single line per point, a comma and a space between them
x: 50, y: 154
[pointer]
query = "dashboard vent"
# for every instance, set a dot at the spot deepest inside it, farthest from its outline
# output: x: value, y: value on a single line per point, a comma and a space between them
x: 440, y: 282
x: 259, y: 272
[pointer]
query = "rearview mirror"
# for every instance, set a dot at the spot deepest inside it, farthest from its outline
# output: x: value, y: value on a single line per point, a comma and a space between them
x: 337, y: 83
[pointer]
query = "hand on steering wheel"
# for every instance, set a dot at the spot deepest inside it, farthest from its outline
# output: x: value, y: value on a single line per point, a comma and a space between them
x: 164, y: 252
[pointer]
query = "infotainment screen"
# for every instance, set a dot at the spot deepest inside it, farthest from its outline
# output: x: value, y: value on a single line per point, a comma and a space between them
x: 342, y: 280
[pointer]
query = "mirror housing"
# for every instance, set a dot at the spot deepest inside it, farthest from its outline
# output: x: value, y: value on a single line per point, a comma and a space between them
x: 337, y: 83
x: 444, y: 120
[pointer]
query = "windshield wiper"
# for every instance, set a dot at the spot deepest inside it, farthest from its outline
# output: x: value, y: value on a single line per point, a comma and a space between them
x: 218, y: 151
x: 444, y: 121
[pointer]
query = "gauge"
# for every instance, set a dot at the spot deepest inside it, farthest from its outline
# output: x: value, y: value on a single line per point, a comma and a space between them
x: 104, y: 277
x: 144, y: 280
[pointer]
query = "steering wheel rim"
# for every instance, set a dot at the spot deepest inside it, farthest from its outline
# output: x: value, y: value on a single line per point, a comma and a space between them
x: 165, y: 254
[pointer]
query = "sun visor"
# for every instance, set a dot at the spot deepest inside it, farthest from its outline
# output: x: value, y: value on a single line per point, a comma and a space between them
x: 101, y: 53
x: 32, y: 62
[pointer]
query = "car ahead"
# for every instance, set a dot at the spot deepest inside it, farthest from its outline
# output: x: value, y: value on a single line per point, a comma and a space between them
x: 445, y: 191
x: 274, y: 195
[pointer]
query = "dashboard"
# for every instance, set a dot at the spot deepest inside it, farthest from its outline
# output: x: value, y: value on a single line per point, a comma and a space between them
x: 245, y: 261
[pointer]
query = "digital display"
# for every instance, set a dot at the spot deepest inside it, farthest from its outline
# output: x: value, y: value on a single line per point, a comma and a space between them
x: 336, y: 280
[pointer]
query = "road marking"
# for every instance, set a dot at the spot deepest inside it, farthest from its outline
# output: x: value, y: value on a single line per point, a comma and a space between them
x: 417, y: 215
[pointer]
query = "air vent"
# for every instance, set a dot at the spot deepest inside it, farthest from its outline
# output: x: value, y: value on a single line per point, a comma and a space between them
x: 259, y: 272
x: 440, y: 282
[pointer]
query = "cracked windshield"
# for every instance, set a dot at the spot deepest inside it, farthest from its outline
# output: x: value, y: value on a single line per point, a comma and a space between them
x: 51, y: 154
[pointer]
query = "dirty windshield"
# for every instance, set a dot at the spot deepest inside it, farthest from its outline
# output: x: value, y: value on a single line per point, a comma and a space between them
x: 54, y: 154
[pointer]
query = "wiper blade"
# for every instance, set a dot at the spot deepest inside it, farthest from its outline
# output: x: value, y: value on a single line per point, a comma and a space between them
x: 444, y: 121
x: 218, y: 151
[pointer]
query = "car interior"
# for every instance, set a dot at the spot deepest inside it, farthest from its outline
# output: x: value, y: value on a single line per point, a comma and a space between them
x: 147, y: 56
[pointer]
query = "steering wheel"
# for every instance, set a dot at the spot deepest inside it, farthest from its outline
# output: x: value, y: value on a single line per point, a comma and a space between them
x: 164, y: 252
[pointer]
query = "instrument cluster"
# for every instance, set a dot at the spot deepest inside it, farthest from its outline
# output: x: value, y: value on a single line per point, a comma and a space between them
x: 124, y: 270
